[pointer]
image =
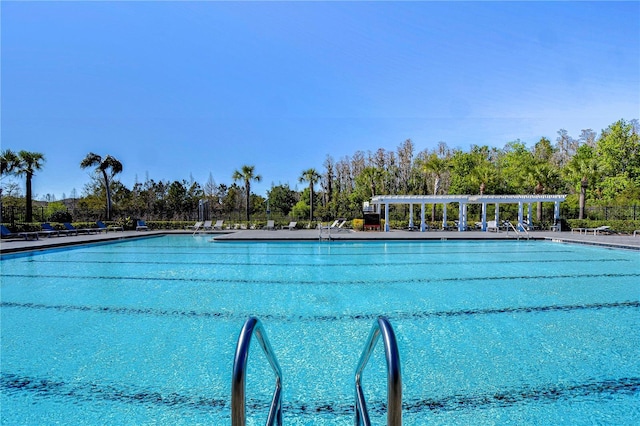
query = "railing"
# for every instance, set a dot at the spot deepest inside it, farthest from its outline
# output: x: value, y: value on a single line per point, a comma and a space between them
x: 394, y: 375
x: 238, y: 408
x: 517, y: 230
x: 325, y: 232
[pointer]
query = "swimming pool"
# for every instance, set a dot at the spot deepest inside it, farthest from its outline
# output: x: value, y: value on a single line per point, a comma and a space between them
x: 144, y: 331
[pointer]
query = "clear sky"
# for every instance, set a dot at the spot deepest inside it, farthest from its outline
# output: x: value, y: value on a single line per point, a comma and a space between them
x: 176, y: 90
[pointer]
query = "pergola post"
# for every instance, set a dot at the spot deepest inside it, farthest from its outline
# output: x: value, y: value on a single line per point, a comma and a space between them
x: 520, y: 213
x: 529, y: 215
x: 462, y: 217
x: 410, y: 215
x: 497, y: 215
x: 484, y: 217
x: 422, y: 214
x: 444, y: 216
x: 386, y: 217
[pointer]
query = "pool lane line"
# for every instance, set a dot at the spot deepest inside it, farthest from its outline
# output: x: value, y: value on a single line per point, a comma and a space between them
x: 369, y: 282
x: 415, y: 315
x: 75, y: 391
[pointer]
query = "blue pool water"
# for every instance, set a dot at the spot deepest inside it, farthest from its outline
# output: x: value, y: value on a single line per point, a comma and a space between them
x: 144, y: 331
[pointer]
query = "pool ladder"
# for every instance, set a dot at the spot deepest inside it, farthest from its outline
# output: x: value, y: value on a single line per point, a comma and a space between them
x: 381, y: 327
x: 519, y: 230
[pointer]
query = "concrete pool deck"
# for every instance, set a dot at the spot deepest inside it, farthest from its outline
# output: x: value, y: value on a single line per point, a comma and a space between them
x: 620, y: 241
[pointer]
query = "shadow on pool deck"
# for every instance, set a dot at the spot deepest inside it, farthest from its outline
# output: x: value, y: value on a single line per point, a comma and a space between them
x: 614, y: 240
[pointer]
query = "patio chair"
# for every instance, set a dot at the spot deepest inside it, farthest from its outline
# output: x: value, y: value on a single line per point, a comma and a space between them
x: 6, y: 233
x: 49, y: 230
x: 105, y: 228
x: 72, y: 228
x: 492, y: 226
x: 291, y: 226
x: 600, y: 230
x: 141, y: 226
x: 271, y: 225
x: 218, y: 225
x: 195, y: 227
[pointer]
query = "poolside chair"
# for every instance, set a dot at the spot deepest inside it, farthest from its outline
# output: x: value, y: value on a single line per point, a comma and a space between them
x: 72, y: 228
x: 6, y: 233
x: 207, y: 226
x: 337, y: 225
x: 333, y: 225
x: 341, y: 225
x: 291, y: 226
x: 105, y: 228
x: 141, y: 226
x: 195, y: 227
x: 492, y: 226
x: 218, y: 225
x: 270, y: 226
x: 600, y: 230
x: 49, y: 230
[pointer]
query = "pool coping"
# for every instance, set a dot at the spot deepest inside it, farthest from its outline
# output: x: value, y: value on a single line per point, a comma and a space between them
x: 617, y: 241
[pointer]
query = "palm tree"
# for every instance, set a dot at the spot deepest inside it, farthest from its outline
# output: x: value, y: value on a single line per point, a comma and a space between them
x: 102, y: 165
x: 436, y: 166
x: 582, y: 169
x: 8, y: 161
x: 246, y: 175
x: 25, y: 164
x: 311, y: 176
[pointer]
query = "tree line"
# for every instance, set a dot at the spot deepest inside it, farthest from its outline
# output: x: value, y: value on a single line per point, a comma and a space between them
x: 597, y: 169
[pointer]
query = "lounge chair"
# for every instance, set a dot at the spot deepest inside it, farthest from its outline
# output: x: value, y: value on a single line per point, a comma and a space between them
x: 333, y: 225
x: 270, y: 226
x: 218, y: 225
x: 49, y: 230
x: 337, y: 225
x: 600, y: 230
x: 636, y: 232
x: 195, y: 227
x: 141, y: 226
x: 291, y: 226
x: 207, y: 226
x: 72, y: 228
x: 105, y: 228
x: 26, y: 235
x: 492, y: 226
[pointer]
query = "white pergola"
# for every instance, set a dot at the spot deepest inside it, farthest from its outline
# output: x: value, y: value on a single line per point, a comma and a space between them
x: 379, y: 201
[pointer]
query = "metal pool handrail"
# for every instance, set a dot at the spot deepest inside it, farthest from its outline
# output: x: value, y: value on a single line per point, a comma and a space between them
x: 517, y: 228
x: 238, y: 409
x: 394, y: 375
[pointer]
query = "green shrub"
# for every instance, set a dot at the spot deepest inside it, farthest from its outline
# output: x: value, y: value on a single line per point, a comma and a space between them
x: 61, y: 217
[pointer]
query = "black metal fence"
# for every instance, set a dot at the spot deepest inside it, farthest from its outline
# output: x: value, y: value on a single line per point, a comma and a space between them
x: 17, y: 214
x: 604, y: 212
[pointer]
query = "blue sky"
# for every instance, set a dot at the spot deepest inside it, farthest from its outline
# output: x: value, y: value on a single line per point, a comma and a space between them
x: 176, y: 90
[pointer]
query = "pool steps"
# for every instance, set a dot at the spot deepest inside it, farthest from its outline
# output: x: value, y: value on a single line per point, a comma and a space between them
x: 381, y: 327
